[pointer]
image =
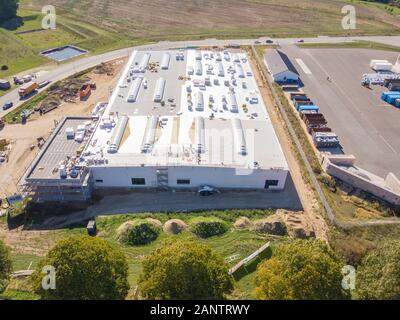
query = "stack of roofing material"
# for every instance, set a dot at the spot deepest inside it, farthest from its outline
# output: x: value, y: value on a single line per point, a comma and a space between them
x: 200, y: 135
x: 298, y: 96
x: 117, y: 135
x: 220, y: 68
x: 381, y: 65
x: 374, y: 61
x: 392, y: 84
x: 314, y: 120
x: 308, y: 108
x: 239, y: 70
x: 298, y: 103
x: 313, y: 130
x: 199, y: 101
x: 326, y: 140
x: 165, y: 61
x: 133, y: 93
x: 238, y: 134
x: 390, y: 96
x: 150, y: 134
x: 198, y: 68
x: 232, y: 102
x: 159, y: 90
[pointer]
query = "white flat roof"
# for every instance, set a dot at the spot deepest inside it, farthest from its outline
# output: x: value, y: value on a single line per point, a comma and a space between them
x: 175, y: 134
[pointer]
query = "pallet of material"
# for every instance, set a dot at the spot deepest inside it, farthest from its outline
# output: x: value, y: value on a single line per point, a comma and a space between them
x: 313, y: 130
x: 326, y: 140
x: 298, y: 95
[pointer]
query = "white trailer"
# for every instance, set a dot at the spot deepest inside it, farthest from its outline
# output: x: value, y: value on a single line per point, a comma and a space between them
x: 159, y: 90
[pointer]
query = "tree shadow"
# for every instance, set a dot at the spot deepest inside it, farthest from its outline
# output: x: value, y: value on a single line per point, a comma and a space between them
x: 12, y: 24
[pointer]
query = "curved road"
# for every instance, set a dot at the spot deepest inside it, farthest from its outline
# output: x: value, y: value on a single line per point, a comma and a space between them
x: 68, y: 69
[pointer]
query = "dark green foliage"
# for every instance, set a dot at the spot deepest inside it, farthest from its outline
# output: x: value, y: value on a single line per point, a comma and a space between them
x: 184, y: 270
x: 138, y: 233
x: 378, y: 276
x: 206, y: 229
x: 5, y: 265
x: 86, y: 269
x: 301, y: 270
x: 8, y: 10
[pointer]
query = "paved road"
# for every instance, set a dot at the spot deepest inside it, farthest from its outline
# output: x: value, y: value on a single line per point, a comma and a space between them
x: 71, y: 68
x: 166, y: 201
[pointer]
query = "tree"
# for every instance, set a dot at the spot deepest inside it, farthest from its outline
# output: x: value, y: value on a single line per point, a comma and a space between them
x: 5, y: 265
x: 8, y: 9
x: 86, y: 269
x: 300, y: 270
x: 378, y: 276
x: 183, y: 269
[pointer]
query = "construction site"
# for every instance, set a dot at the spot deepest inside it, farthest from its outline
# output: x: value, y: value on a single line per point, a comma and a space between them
x: 176, y: 119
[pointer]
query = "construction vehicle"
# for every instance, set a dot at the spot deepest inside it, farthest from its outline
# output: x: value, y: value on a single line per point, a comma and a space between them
x: 85, y: 91
x: 27, y: 89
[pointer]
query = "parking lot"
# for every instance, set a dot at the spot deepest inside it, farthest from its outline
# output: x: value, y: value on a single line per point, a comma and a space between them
x: 367, y: 127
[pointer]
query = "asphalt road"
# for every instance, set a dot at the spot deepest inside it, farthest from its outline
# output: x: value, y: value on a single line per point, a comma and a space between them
x: 367, y: 127
x: 68, y: 69
x: 167, y: 201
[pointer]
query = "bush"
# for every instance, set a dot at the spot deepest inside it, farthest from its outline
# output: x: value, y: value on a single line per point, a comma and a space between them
x: 184, y: 270
x: 5, y: 265
x: 301, y: 270
x: 206, y: 229
x: 137, y: 233
x: 378, y: 276
x: 86, y: 268
x: 4, y: 67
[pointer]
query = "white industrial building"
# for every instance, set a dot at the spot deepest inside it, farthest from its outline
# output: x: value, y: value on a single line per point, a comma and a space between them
x: 168, y: 128
x: 280, y: 67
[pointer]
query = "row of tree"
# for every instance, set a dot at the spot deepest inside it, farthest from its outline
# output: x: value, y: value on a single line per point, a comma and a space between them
x: 91, y: 268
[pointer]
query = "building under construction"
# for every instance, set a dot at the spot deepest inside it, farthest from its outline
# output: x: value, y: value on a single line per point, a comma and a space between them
x: 176, y: 119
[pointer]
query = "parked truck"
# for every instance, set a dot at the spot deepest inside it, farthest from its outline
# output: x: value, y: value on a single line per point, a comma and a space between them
x: 85, y: 91
x: 27, y: 89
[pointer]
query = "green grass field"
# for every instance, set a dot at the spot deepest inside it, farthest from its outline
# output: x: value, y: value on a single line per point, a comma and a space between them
x: 21, y: 51
x: 351, y: 45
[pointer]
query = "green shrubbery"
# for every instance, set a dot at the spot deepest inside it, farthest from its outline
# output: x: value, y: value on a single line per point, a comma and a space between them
x: 137, y: 232
x: 209, y: 228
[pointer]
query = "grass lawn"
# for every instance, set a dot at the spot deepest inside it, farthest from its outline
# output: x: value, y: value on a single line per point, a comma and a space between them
x: 351, y: 45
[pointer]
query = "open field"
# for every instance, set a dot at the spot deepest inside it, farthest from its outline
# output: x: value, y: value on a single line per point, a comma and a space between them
x: 251, y: 18
x: 21, y: 51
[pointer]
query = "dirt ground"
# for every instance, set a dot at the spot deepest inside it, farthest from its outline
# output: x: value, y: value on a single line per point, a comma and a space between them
x: 23, y: 137
x: 306, y: 195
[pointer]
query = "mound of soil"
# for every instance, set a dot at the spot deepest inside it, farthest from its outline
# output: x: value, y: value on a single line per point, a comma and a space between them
x: 271, y: 225
x: 174, y: 226
x: 242, y: 223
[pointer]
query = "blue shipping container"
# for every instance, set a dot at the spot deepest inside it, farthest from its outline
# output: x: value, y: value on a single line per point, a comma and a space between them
x: 308, y: 108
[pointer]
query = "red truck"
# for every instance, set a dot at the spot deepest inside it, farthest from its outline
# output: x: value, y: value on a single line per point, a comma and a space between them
x: 85, y: 91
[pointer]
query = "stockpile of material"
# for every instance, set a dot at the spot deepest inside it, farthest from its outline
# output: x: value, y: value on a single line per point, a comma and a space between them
x: 316, y: 124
